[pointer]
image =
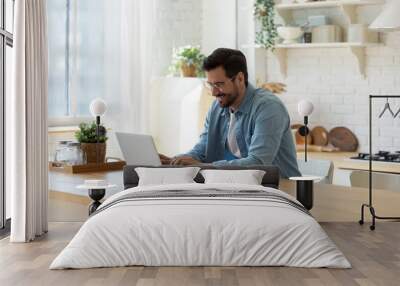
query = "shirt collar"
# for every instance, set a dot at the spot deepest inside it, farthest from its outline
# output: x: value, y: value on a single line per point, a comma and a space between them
x: 246, y: 103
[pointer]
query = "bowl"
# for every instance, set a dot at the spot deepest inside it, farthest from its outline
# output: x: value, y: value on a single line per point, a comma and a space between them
x: 290, y: 35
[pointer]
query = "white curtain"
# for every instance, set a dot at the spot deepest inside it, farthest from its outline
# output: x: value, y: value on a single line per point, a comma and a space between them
x: 111, y: 57
x: 129, y: 64
x: 27, y: 119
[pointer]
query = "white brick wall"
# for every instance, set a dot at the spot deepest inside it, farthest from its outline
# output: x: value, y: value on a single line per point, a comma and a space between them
x: 329, y: 78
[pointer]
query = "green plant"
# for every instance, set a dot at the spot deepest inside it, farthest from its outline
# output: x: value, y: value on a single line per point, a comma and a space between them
x: 87, y: 133
x: 264, y: 11
x: 189, y: 56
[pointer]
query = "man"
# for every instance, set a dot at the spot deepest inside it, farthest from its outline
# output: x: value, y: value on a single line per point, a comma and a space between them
x: 244, y: 126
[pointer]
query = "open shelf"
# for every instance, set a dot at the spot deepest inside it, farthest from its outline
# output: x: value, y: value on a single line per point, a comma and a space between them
x: 348, y: 8
x: 327, y: 4
x: 356, y: 49
x: 324, y: 45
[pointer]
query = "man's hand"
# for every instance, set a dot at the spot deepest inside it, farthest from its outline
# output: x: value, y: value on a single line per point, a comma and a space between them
x: 184, y: 161
x: 274, y: 87
x: 164, y: 159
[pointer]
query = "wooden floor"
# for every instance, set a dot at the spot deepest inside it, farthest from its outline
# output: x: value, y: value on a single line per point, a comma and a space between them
x: 375, y: 257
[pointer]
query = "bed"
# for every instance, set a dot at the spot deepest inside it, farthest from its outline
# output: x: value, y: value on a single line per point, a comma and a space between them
x: 197, y: 224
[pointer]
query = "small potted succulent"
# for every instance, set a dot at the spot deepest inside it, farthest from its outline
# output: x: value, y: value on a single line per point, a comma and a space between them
x: 187, y: 60
x: 93, y: 146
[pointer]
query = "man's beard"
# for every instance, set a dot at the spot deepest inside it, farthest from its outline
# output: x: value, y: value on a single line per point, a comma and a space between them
x: 226, y: 99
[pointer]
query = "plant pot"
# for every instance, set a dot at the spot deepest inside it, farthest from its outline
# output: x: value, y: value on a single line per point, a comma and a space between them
x: 263, y: 13
x: 95, y: 152
x: 188, y: 70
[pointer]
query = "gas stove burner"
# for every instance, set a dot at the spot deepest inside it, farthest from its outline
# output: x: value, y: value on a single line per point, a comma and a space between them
x: 361, y: 156
x: 382, y: 156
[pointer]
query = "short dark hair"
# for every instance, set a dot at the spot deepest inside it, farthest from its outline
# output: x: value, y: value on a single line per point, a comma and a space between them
x: 233, y: 62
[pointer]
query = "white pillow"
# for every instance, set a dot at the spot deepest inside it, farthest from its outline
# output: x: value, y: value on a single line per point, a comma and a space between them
x: 248, y: 177
x: 166, y: 176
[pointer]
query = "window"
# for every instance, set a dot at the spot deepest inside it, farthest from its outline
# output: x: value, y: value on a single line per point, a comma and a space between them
x: 6, y: 43
x: 76, y: 58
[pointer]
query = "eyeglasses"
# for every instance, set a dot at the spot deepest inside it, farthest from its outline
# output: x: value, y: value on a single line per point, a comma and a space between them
x: 218, y: 85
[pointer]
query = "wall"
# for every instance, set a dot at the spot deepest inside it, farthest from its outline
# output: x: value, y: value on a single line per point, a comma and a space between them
x: 218, y: 25
x: 178, y: 24
x: 329, y: 78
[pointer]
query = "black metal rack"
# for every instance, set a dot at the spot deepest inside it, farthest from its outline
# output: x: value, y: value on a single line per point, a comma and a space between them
x: 370, y: 205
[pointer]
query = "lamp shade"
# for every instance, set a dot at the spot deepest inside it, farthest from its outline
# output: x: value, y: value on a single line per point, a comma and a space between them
x: 98, y: 107
x: 305, y: 108
x: 388, y: 19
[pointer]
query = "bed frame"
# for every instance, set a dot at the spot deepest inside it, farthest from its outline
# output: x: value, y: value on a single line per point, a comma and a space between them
x: 270, y: 179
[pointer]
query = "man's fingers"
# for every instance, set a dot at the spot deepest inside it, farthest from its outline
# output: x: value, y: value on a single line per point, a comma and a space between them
x: 165, y: 161
x: 181, y: 161
x: 176, y: 161
x: 163, y: 157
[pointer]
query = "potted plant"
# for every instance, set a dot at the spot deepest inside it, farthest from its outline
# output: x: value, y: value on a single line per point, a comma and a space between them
x: 93, y: 146
x: 187, y: 60
x: 264, y: 12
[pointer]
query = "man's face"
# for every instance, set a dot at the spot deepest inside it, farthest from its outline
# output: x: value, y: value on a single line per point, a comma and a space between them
x: 223, y: 88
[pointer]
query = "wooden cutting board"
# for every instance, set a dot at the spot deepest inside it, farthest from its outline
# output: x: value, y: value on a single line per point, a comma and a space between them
x: 319, y: 136
x: 343, y: 138
x: 296, y: 126
x: 300, y: 140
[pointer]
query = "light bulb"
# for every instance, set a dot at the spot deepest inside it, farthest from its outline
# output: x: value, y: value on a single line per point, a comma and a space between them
x: 305, y: 108
x: 97, y: 107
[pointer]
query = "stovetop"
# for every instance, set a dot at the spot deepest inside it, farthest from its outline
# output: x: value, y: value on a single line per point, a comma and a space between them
x: 382, y: 156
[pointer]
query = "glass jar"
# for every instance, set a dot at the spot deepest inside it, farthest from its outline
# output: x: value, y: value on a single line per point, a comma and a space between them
x: 60, y: 156
x: 75, y: 154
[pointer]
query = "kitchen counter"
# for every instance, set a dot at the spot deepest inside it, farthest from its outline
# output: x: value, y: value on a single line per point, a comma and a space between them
x: 341, y: 203
x: 331, y: 202
x: 342, y: 161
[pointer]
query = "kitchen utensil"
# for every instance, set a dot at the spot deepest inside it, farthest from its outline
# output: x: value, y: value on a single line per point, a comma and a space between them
x: 315, y: 148
x: 296, y: 126
x: 319, y: 136
x: 387, y: 108
x: 307, y: 37
x: 343, y: 138
x: 318, y: 20
x: 290, y: 35
x: 301, y: 139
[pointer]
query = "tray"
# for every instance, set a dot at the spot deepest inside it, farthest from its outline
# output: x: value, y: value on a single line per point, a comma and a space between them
x: 87, y: 168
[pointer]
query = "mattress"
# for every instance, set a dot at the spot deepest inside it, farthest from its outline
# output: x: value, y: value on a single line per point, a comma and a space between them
x: 201, y: 225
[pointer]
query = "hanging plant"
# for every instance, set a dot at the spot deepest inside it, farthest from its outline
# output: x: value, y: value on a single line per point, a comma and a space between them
x: 264, y: 12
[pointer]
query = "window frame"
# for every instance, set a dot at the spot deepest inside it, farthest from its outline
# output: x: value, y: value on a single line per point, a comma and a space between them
x: 71, y: 118
x: 6, y: 39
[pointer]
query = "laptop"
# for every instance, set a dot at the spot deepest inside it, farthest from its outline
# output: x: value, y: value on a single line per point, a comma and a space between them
x: 138, y: 149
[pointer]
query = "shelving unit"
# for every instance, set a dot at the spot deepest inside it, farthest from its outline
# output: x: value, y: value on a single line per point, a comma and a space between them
x: 327, y: 3
x: 356, y: 49
x: 348, y: 8
x: 349, y: 11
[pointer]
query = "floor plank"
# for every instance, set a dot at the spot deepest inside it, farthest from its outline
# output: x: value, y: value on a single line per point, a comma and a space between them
x: 375, y: 257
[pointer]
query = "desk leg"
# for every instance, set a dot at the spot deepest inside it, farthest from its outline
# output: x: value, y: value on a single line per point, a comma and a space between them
x: 305, y: 193
x: 96, y: 195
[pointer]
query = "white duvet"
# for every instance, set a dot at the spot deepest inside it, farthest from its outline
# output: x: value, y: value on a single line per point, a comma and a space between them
x: 199, y: 231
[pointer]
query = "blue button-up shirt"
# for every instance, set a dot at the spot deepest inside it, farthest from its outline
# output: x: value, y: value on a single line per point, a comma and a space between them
x: 262, y: 132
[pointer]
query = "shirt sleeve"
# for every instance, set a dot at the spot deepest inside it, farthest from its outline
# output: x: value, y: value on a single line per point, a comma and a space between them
x: 198, y: 152
x: 270, y: 124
